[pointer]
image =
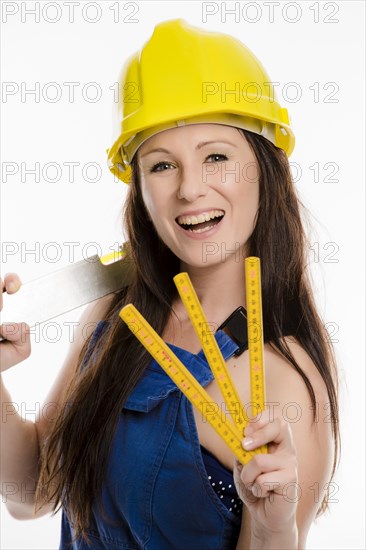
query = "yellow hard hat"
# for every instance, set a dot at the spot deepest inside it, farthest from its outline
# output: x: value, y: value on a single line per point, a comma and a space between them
x: 186, y: 75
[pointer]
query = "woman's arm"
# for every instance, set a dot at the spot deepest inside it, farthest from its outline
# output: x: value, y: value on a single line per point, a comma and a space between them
x: 287, y: 396
x: 21, y: 440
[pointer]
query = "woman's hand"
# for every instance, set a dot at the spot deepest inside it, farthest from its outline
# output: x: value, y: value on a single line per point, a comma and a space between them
x: 16, y: 347
x: 268, y: 484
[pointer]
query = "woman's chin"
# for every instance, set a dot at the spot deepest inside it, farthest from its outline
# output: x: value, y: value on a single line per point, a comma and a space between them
x: 199, y: 261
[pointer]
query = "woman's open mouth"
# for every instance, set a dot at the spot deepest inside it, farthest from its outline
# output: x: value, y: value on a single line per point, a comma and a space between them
x: 202, y: 223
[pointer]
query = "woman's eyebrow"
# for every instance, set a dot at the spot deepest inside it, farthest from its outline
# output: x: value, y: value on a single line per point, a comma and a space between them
x: 158, y: 150
x: 198, y: 146
x: 203, y: 143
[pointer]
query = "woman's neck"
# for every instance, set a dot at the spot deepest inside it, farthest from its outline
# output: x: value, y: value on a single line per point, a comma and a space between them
x: 220, y: 289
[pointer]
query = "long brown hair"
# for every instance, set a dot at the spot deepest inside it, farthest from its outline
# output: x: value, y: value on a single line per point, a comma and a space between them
x: 74, y: 457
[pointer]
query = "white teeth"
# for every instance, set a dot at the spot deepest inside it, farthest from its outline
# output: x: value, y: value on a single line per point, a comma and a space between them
x: 201, y: 230
x: 204, y: 217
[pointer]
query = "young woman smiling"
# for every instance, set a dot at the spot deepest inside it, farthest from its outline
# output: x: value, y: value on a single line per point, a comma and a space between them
x: 132, y: 463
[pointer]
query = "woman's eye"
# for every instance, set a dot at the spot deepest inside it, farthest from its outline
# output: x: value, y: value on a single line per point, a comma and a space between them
x: 217, y: 157
x: 160, y: 166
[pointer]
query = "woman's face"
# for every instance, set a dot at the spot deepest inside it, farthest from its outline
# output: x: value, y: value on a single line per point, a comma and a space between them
x: 201, y: 169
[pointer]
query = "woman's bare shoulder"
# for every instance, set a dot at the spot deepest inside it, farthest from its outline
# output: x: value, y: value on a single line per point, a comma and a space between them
x: 281, y: 371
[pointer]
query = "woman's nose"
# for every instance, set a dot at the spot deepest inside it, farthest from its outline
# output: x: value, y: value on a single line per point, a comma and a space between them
x: 191, y: 184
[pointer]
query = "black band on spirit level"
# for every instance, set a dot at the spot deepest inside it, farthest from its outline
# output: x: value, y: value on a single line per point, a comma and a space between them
x: 236, y: 327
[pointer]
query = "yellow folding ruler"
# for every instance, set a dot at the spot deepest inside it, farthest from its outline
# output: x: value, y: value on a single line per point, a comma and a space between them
x: 232, y: 432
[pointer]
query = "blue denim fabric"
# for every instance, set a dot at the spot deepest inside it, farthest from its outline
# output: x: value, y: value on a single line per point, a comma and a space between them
x: 156, y: 491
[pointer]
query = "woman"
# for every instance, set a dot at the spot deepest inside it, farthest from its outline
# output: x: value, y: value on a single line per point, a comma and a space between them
x: 203, y: 145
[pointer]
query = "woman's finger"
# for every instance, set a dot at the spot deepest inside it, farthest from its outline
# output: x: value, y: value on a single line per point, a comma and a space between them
x: 1, y: 293
x: 15, y: 332
x: 243, y: 490
x: 277, y: 431
x: 10, y: 284
x: 282, y: 483
x: 263, y: 463
x: 16, y: 347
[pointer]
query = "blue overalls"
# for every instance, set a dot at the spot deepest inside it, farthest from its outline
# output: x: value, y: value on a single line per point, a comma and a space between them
x: 157, y: 491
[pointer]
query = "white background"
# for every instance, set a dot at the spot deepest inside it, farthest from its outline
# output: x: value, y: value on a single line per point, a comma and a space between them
x: 310, y: 52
